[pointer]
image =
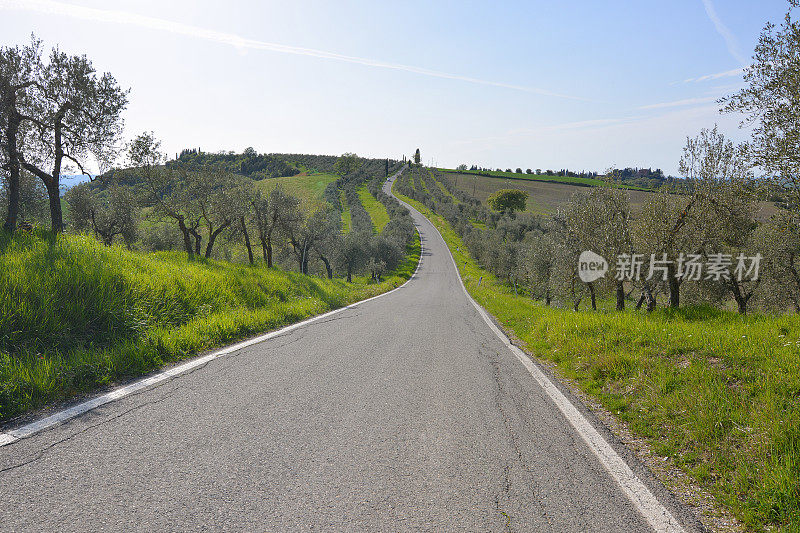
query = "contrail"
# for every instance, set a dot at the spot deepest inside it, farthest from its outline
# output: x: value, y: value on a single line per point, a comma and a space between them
x: 726, y: 33
x: 716, y: 76
x: 681, y: 103
x: 121, y: 17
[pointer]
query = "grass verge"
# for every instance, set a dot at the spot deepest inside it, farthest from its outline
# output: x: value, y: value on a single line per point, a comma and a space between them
x: 76, y: 315
x: 715, y: 393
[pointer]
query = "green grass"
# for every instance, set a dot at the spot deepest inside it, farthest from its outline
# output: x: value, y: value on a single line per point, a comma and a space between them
x: 478, y: 224
x: 717, y: 393
x: 376, y: 210
x: 347, y: 222
x: 310, y: 188
x: 76, y: 315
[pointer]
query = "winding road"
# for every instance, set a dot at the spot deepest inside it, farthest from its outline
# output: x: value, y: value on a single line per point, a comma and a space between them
x: 403, y: 413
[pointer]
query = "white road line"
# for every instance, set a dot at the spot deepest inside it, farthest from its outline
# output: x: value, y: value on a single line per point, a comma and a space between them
x: 658, y: 516
x: 67, y: 414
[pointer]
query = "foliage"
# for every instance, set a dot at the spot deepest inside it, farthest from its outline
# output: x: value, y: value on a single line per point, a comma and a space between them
x: 712, y: 391
x: 377, y: 211
x: 66, y: 113
x: 347, y: 164
x: 508, y: 200
x: 76, y: 315
x: 249, y: 163
x: 33, y: 207
x: 107, y: 214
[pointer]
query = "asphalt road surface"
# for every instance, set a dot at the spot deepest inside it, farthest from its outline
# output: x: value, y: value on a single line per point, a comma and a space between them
x: 405, y: 413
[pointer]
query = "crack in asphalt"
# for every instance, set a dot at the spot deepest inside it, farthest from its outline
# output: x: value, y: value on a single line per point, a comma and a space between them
x: 153, y: 387
x: 43, y: 452
x: 513, y: 439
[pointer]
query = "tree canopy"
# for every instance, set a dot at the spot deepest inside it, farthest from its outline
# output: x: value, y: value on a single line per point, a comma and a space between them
x: 508, y: 200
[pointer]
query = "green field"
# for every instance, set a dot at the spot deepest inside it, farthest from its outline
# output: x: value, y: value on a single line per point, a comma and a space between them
x: 714, y: 394
x: 544, y: 197
x: 76, y: 315
x: 310, y: 188
x: 568, y: 180
x: 376, y: 210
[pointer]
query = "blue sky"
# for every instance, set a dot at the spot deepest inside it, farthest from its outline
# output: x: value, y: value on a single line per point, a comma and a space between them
x: 579, y: 85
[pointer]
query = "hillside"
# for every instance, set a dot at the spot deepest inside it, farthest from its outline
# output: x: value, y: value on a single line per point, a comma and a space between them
x: 546, y: 196
x: 309, y: 187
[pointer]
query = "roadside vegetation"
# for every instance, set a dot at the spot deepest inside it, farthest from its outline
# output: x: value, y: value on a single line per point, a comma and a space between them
x: 705, y: 367
x: 156, y: 259
x: 76, y: 314
x: 714, y: 392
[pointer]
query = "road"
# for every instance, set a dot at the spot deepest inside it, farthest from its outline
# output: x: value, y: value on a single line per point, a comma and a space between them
x: 404, y: 413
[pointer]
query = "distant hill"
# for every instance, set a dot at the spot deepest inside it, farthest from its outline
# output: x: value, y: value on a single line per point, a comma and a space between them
x: 70, y: 180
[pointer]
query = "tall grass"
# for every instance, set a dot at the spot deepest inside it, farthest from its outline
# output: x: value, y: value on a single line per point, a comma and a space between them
x: 717, y: 393
x: 76, y: 315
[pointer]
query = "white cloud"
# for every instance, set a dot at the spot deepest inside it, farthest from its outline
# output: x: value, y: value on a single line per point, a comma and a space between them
x: 724, y: 31
x: 682, y: 103
x: 727, y: 74
x: 241, y: 43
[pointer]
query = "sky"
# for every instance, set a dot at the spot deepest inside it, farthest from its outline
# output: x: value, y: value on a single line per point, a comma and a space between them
x: 583, y: 85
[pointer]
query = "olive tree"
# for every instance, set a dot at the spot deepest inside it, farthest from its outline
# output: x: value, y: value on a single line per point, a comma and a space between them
x: 353, y: 253
x: 164, y: 190
x: 32, y: 200
x: 610, y: 233
x: 18, y: 70
x: 306, y: 234
x: 771, y: 104
x: 717, y: 210
x: 564, y: 270
x: 108, y: 213
x: 73, y: 114
x: 778, y: 240
x: 218, y: 198
x: 347, y: 164
x: 723, y: 196
x: 598, y: 221
x: 508, y: 200
x: 272, y: 214
x: 537, y: 263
